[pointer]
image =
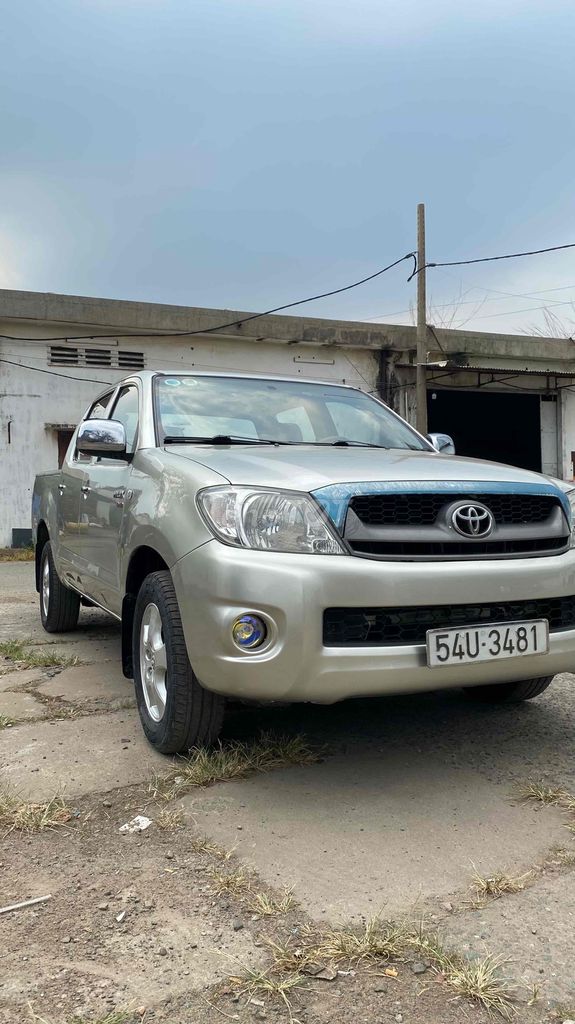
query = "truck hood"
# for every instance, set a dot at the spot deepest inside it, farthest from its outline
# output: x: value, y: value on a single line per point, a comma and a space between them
x: 305, y: 468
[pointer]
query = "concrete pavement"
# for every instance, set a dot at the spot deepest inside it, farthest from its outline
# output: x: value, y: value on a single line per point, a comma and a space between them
x: 414, y: 793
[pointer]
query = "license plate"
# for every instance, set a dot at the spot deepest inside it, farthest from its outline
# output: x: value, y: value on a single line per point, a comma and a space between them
x: 487, y: 643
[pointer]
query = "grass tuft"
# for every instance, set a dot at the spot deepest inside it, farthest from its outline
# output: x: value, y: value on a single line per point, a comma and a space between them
x: 115, y: 1017
x: 479, y: 980
x: 18, y: 815
x: 544, y: 794
x: 204, y: 766
x: 375, y: 941
x: 482, y: 981
x: 497, y: 885
x: 269, y: 984
x: 21, y: 654
x: 565, y: 857
x: 201, y: 844
x: 169, y: 821
x: 268, y: 905
x: 6, y: 722
x: 17, y: 554
x: 240, y: 885
x: 236, y: 883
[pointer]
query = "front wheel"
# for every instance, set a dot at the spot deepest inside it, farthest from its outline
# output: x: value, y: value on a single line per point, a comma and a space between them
x: 509, y: 693
x: 175, y: 710
x: 59, y: 606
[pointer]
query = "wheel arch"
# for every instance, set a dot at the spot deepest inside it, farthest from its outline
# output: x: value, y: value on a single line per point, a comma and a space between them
x: 42, y: 538
x: 144, y: 560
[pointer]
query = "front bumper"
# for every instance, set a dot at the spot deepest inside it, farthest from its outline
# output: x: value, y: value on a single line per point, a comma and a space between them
x: 215, y: 584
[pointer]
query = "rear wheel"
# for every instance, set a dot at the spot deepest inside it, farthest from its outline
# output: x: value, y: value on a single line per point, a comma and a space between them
x: 59, y: 606
x: 175, y: 710
x: 509, y: 693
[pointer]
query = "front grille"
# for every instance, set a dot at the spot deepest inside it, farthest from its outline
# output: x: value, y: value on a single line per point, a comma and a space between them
x: 387, y: 627
x: 423, y: 509
x: 465, y: 549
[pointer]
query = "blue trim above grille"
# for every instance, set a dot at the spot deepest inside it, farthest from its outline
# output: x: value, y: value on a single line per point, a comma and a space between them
x: 335, y: 498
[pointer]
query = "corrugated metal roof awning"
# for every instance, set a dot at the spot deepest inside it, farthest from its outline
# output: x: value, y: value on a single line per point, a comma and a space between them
x: 531, y: 371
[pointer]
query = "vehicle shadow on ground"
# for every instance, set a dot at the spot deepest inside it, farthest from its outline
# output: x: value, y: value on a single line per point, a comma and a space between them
x: 533, y: 739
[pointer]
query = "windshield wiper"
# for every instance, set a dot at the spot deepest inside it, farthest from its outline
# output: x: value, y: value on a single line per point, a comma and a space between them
x: 354, y: 444
x: 219, y: 439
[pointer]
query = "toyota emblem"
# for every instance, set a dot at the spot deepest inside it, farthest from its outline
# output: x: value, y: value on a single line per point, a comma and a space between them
x: 472, y: 520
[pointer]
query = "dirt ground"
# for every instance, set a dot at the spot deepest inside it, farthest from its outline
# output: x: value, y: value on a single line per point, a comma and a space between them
x: 408, y: 798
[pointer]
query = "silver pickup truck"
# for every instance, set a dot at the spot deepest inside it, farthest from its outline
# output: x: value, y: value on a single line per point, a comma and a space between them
x: 290, y: 540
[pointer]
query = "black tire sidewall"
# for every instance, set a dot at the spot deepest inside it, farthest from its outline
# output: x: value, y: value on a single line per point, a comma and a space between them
x: 165, y: 734
x: 46, y: 555
x: 63, y: 603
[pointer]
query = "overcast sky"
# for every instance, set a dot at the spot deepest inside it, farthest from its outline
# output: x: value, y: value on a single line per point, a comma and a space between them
x: 244, y: 153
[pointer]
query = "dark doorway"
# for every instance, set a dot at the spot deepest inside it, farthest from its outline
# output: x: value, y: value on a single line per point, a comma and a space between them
x: 64, y: 438
x: 489, y: 425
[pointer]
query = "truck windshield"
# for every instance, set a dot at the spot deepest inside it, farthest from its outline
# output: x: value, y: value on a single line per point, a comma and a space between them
x: 212, y: 409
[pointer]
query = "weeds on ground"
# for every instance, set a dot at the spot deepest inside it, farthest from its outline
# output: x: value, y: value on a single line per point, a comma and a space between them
x: 169, y: 821
x: 564, y: 857
x: 268, y: 905
x: 205, y: 766
x: 17, y: 815
x: 375, y: 941
x: 114, y: 1017
x: 17, y: 554
x: 236, y: 883
x: 21, y: 653
x: 386, y: 942
x: 267, y: 983
x: 497, y: 885
x: 544, y: 794
x: 534, y: 994
x: 6, y: 722
x: 201, y: 844
x: 563, y: 1012
x: 239, y: 885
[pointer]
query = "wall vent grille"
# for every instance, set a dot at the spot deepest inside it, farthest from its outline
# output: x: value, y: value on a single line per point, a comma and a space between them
x: 68, y: 355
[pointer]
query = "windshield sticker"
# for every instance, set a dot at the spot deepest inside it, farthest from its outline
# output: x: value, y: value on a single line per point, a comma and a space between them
x: 172, y: 382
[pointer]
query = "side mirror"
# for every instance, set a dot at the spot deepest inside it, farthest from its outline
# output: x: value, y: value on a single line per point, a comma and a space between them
x: 442, y: 443
x: 102, y: 437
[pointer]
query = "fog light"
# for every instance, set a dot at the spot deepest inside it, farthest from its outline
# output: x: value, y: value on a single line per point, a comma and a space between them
x: 249, y: 632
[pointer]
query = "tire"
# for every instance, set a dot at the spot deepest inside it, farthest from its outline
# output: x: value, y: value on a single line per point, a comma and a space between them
x: 59, y: 606
x: 509, y: 693
x: 176, y: 712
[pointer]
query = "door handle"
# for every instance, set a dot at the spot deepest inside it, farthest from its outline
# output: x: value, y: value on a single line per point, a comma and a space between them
x: 85, y: 488
x: 61, y: 488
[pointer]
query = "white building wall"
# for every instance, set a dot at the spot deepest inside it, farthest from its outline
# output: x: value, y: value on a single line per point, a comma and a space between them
x: 31, y: 401
x: 567, y: 443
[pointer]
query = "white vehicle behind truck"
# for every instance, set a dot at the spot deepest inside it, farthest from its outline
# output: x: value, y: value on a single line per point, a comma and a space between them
x: 289, y: 540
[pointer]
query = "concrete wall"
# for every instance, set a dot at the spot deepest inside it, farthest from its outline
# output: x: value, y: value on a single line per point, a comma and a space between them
x: 31, y: 401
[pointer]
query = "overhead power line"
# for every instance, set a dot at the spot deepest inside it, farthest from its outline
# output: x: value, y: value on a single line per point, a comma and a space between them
x: 231, y: 323
x: 53, y: 373
x: 138, y: 333
x: 490, y: 259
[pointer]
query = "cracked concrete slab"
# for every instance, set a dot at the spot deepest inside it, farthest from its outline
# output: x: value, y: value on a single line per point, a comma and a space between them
x: 86, y: 683
x: 369, y: 834
x: 84, y: 755
x: 535, y: 928
x: 14, y: 678
x: 19, y: 706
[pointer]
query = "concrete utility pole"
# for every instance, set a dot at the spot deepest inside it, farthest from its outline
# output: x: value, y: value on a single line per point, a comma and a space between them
x: 421, y: 389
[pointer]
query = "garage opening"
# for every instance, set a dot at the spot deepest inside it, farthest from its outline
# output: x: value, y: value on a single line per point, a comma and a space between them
x: 489, y: 425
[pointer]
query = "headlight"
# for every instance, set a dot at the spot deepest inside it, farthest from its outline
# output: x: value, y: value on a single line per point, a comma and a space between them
x: 268, y: 520
x: 571, y: 500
